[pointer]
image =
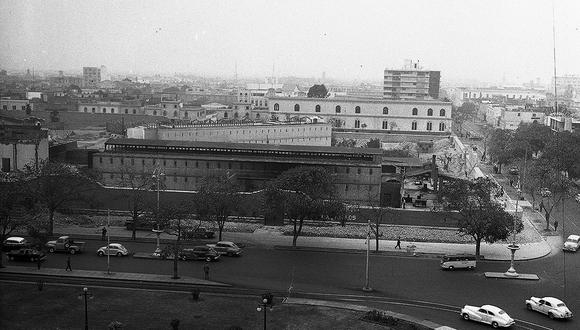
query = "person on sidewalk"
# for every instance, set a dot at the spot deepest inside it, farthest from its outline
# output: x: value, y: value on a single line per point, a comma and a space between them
x: 398, y: 243
x: 206, y: 272
x: 68, y: 266
x: 104, y: 234
x: 556, y: 225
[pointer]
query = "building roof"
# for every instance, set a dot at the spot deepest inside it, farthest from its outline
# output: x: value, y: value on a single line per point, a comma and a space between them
x: 361, y: 100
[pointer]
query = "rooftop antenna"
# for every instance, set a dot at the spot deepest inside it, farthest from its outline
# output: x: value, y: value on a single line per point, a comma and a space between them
x: 555, y: 78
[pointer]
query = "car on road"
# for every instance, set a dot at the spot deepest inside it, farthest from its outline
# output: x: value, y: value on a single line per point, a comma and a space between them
x: 489, y: 314
x: 453, y: 261
x: 65, y: 244
x: 26, y: 254
x: 553, y: 307
x: 14, y: 243
x: 229, y: 249
x: 514, y: 170
x: 113, y: 249
x: 202, y: 252
x: 572, y: 243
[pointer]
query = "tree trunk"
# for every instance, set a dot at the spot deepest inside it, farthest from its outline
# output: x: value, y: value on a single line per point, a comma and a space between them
x: 221, y: 228
x: 175, y: 257
x: 294, y: 233
x: 547, y: 220
x: 50, y: 222
x: 477, y: 248
x: 1, y: 258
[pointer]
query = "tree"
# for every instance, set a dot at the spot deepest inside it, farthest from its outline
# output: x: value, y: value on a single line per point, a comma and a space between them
x: 137, y: 184
x: 500, y: 146
x: 530, y: 138
x: 347, y: 143
x: 317, y: 91
x: 220, y: 194
x: 173, y: 214
x: 303, y: 190
x: 466, y: 111
x: 373, y: 143
x: 482, y: 217
x: 9, y: 205
x: 54, y: 185
x: 563, y: 150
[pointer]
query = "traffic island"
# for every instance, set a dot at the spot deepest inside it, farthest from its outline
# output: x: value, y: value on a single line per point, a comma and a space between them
x: 528, y: 277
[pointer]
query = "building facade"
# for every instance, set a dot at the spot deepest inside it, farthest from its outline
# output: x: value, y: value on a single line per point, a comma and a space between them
x: 562, y: 123
x: 21, y: 145
x: 10, y: 104
x: 91, y: 76
x: 94, y: 106
x: 429, y: 116
x: 411, y: 82
x: 511, y: 119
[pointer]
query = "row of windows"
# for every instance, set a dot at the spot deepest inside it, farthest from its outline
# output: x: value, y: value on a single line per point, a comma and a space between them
x: 357, y: 109
x: 429, y: 126
x: 5, y: 107
x: 216, y: 133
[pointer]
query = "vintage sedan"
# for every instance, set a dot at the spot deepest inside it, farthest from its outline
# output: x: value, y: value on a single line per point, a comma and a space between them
x: 489, y: 314
x: 113, y: 249
x: 14, y: 243
x: 26, y: 254
x: 229, y: 249
x: 553, y: 307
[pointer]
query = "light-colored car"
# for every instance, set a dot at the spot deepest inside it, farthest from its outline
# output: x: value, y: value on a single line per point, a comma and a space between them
x: 113, y: 249
x: 553, y: 307
x: 489, y: 314
x: 15, y: 243
x: 229, y: 249
x: 572, y: 243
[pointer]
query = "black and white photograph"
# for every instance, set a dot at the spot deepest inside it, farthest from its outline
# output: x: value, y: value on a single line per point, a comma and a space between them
x: 289, y: 164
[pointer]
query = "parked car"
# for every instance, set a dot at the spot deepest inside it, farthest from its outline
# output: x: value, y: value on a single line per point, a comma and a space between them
x: 572, y: 243
x: 553, y: 307
x: 65, y: 244
x: 14, y: 243
x: 26, y: 254
x: 113, y: 249
x: 453, y: 261
x: 489, y: 314
x: 199, y: 253
x: 199, y: 232
x: 229, y: 249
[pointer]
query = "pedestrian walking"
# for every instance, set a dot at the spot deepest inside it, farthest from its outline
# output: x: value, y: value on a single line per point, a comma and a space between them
x: 68, y: 266
x: 398, y: 243
x: 206, y: 271
x: 556, y: 225
x: 103, y: 234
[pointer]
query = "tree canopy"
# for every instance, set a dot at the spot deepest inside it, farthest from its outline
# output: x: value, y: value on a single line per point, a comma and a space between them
x: 318, y: 91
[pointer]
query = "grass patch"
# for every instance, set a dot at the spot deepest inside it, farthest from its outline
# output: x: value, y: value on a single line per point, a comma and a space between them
x: 58, y: 307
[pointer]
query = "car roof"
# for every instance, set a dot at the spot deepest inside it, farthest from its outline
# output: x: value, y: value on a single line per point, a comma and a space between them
x: 16, y: 238
x: 491, y: 308
x: 573, y: 237
x: 225, y: 242
x: 553, y: 301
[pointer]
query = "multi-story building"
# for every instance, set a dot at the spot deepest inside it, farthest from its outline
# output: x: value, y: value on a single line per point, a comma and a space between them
x: 562, y: 123
x: 283, y: 133
x: 21, y: 145
x: 359, y: 176
x: 511, y: 119
x: 91, y: 76
x: 11, y: 104
x: 133, y: 108
x: 430, y: 116
x: 411, y: 82
x: 502, y: 94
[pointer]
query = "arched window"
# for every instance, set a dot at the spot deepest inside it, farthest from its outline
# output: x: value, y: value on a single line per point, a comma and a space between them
x: 112, y: 110
x: 276, y: 107
x: 429, y: 126
x: 317, y: 108
x: 442, y: 113
x: 225, y: 115
x: 134, y: 111
x: 385, y: 111
x: 357, y: 109
x: 414, y: 126
x: 337, y: 109
x: 104, y: 110
x: 86, y: 109
x: 296, y: 107
x: 126, y: 110
x: 385, y: 124
x: 415, y: 111
x: 257, y: 116
x: 175, y: 114
x: 357, y: 123
x: 154, y: 112
x: 429, y: 112
x: 441, y: 127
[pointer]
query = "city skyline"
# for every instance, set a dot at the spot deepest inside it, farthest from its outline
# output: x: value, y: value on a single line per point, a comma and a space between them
x: 476, y: 40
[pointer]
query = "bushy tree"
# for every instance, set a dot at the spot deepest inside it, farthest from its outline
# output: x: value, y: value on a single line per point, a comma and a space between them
x: 137, y: 184
x: 500, y: 147
x: 317, y: 91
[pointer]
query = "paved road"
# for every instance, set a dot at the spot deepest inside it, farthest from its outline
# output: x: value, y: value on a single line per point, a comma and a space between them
x: 408, y: 280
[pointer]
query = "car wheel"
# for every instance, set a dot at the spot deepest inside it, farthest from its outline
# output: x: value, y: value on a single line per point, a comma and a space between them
x: 51, y: 250
x: 208, y: 259
x: 494, y: 325
x: 529, y: 307
x: 119, y: 254
x: 101, y: 253
x: 67, y: 245
x: 72, y: 251
x: 465, y: 316
x: 551, y: 316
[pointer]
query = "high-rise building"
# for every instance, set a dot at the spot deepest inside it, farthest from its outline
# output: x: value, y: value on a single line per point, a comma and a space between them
x: 411, y: 82
x: 91, y: 76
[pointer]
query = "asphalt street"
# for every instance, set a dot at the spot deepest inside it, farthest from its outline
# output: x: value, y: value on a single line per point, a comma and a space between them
x: 400, y: 283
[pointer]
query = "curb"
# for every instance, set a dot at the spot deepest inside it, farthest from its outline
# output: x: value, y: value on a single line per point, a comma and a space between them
x: 357, y: 251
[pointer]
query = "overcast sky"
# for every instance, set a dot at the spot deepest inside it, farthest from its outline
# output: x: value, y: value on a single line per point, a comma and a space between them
x: 485, y: 40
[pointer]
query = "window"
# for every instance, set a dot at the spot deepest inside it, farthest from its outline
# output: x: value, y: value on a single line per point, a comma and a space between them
x: 429, y: 126
x: 132, y: 161
x: 296, y: 107
x: 84, y: 109
x: 441, y: 127
x: 104, y: 110
x: 175, y: 106
x: 175, y: 114
x: 126, y: 110
x: 442, y: 113
x: 370, y: 172
x: 429, y: 112
x: 347, y: 170
x: 358, y: 171
x: 93, y: 110
x: 154, y: 112
x: 357, y: 123
x: 317, y: 108
x: 385, y: 124
x: 112, y: 110
x: 414, y: 126
x: 337, y: 109
x: 13, y: 107
x: 225, y: 115
x: 385, y: 111
x: 357, y: 109
x: 415, y: 111
x: 134, y: 111
x: 164, y: 112
x: 4, y: 107
x: 101, y: 160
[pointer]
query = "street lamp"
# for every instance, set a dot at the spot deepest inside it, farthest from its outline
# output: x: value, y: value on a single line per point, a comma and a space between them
x: 367, y: 288
x: 267, y: 301
x: 511, y: 272
x: 87, y: 295
x: 157, y: 174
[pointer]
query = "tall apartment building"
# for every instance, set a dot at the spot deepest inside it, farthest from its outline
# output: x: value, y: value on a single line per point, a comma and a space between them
x: 411, y: 82
x: 91, y: 76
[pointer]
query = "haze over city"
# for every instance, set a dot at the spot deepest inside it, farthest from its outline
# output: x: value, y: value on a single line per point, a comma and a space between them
x: 493, y: 41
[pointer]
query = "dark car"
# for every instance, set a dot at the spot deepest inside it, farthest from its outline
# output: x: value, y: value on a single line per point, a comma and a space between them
x: 199, y: 253
x: 14, y: 243
x: 26, y: 254
x: 199, y: 232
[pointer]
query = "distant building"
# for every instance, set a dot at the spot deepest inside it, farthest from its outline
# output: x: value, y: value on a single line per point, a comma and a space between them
x: 91, y: 76
x: 133, y: 108
x: 10, y: 104
x: 21, y: 145
x: 502, y: 94
x: 511, y: 119
x: 562, y: 123
x: 411, y: 82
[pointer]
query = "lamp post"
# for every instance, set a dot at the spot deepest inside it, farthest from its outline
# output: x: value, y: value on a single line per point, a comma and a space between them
x: 267, y: 301
x: 511, y: 272
x: 157, y: 175
x: 367, y: 287
x: 87, y: 295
